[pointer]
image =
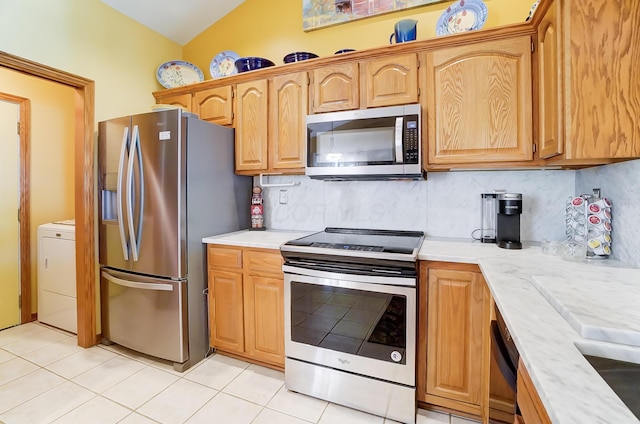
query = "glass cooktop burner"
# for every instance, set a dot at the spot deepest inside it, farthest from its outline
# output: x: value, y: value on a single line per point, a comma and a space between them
x: 363, y: 240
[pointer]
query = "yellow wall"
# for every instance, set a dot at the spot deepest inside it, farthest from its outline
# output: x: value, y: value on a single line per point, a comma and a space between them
x: 273, y: 29
x: 90, y: 39
x: 51, y: 154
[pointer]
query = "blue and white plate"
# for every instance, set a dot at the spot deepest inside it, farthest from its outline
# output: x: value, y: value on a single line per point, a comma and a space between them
x: 465, y: 15
x: 223, y: 64
x: 178, y: 73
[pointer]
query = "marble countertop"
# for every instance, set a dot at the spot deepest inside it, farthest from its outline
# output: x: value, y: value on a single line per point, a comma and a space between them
x: 269, y: 239
x: 534, y: 293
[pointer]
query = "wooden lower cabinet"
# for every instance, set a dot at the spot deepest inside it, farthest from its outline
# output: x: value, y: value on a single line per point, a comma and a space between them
x: 453, y: 337
x: 264, y: 314
x: 246, y: 303
x: 225, y: 304
x: 531, y: 407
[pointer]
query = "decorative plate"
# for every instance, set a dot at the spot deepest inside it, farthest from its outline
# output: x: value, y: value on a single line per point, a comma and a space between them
x: 178, y: 73
x: 465, y: 15
x: 223, y: 64
x: 534, y: 6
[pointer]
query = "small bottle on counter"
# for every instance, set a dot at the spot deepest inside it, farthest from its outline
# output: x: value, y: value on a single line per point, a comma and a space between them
x: 257, y: 210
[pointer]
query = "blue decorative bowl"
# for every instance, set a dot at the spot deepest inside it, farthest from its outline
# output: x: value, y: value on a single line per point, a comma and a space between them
x: 344, y: 51
x: 298, y: 56
x: 245, y: 64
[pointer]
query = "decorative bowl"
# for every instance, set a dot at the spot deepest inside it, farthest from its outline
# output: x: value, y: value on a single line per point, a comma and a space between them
x: 245, y: 64
x: 344, y: 51
x: 298, y: 56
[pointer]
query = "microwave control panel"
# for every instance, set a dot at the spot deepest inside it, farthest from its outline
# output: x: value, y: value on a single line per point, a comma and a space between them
x: 411, y: 139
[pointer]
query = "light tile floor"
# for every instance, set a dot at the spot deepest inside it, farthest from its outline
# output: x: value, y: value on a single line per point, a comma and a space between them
x: 46, y: 378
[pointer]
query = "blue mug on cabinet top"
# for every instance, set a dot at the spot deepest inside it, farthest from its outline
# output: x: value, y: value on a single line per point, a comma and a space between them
x: 405, y: 30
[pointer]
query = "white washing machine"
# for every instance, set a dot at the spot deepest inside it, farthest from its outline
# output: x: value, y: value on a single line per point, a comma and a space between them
x: 57, y: 275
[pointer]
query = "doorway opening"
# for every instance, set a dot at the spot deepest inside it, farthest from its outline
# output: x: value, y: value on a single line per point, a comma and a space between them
x: 84, y: 189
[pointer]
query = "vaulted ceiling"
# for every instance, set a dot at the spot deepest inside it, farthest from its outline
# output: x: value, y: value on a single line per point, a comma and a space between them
x: 178, y: 20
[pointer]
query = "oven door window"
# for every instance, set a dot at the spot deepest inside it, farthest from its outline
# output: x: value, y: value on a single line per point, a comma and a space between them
x: 362, y: 323
x: 352, y: 143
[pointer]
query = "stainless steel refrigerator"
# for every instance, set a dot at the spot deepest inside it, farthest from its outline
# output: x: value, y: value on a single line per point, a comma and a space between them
x: 166, y: 180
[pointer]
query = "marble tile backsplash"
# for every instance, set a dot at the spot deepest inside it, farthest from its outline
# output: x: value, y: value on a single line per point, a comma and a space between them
x: 619, y: 183
x: 447, y: 204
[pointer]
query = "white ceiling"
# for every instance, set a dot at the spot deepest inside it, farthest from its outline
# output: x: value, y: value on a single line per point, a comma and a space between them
x: 178, y: 20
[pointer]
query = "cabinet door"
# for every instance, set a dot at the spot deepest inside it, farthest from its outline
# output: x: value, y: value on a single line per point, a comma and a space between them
x: 457, y: 313
x: 226, y: 328
x: 214, y: 105
x: 264, y: 316
x: 603, y: 47
x: 550, y: 104
x: 529, y: 402
x: 335, y: 88
x: 479, y: 103
x: 182, y: 100
x: 288, y: 100
x: 251, y: 126
x: 390, y: 81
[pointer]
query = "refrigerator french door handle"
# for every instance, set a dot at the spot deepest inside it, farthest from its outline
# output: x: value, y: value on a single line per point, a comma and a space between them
x: 135, y: 141
x: 398, y: 139
x: 140, y: 191
x: 135, y: 285
x: 123, y: 150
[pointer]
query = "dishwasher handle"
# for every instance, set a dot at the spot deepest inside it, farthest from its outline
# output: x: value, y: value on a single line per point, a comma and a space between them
x: 136, y: 285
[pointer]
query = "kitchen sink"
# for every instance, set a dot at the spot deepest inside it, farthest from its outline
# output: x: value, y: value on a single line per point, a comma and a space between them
x: 622, y: 375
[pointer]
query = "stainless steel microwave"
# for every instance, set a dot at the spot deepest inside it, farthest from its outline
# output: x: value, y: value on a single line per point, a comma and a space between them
x: 380, y: 143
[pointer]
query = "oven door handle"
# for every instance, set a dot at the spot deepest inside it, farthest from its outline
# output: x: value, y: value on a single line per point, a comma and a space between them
x: 390, y: 280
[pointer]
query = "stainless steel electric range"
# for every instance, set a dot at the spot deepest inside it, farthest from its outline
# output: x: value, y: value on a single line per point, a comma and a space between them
x: 350, y: 318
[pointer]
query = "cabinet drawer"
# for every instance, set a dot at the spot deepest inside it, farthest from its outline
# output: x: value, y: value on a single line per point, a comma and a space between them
x: 264, y: 262
x: 224, y: 257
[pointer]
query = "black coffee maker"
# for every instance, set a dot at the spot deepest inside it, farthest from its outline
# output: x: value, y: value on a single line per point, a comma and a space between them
x: 508, y: 225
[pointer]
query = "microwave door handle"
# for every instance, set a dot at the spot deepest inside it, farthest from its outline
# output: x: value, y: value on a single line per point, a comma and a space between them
x: 123, y: 150
x: 398, y: 139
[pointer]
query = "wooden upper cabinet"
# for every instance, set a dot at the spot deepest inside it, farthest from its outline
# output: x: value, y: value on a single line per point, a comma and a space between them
x: 601, y: 52
x: 479, y: 103
x: 550, y: 104
x: 336, y: 87
x: 182, y: 100
x: 288, y: 102
x: 251, y: 125
x: 214, y: 105
x: 389, y: 81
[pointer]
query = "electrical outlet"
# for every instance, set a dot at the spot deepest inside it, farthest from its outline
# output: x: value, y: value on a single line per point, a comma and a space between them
x: 283, y: 197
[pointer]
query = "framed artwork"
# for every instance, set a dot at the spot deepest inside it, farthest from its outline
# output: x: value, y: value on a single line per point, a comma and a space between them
x: 322, y: 13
